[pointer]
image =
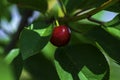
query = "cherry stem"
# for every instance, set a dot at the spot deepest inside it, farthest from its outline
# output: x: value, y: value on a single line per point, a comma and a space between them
x: 57, y: 23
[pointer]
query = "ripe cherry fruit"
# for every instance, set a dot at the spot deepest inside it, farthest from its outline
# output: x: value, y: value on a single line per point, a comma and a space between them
x: 60, y: 36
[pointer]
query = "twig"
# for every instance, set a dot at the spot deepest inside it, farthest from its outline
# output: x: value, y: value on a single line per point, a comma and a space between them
x: 90, y: 13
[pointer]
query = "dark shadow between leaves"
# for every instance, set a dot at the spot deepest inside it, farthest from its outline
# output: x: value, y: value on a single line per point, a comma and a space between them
x: 41, y: 68
x: 73, y: 58
x: 109, y: 43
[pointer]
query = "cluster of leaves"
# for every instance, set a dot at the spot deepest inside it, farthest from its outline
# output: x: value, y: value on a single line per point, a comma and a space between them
x: 92, y: 53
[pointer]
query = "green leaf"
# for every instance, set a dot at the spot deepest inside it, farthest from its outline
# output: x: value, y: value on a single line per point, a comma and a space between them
x: 45, y: 31
x: 5, y: 71
x: 109, y: 43
x: 17, y: 65
x: 72, y: 5
x: 77, y: 38
x: 82, y: 26
x: 113, y: 31
x: 104, y: 16
x: 40, y: 5
x: 79, y: 28
x: 41, y: 68
x: 48, y: 51
x: 64, y: 75
x: 113, y: 27
x: 43, y: 28
x: 114, y: 70
x: 12, y: 55
x: 114, y: 23
x: 55, y: 9
x: 114, y: 67
x: 86, y: 74
x: 31, y: 43
x: 73, y: 58
x: 40, y: 24
x: 1, y: 50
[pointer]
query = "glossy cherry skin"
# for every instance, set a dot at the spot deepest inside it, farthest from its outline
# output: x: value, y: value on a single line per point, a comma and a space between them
x: 60, y: 36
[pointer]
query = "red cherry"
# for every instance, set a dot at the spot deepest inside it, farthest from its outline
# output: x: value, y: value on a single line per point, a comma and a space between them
x: 60, y: 36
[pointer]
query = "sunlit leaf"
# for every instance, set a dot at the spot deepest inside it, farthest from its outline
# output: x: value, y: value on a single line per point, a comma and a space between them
x: 5, y: 71
x: 86, y: 74
x: 64, y: 75
x: 114, y: 70
x: 104, y: 16
x: 113, y: 31
x: 12, y: 55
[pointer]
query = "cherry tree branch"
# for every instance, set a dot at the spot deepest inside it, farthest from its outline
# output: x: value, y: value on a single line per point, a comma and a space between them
x: 90, y: 13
